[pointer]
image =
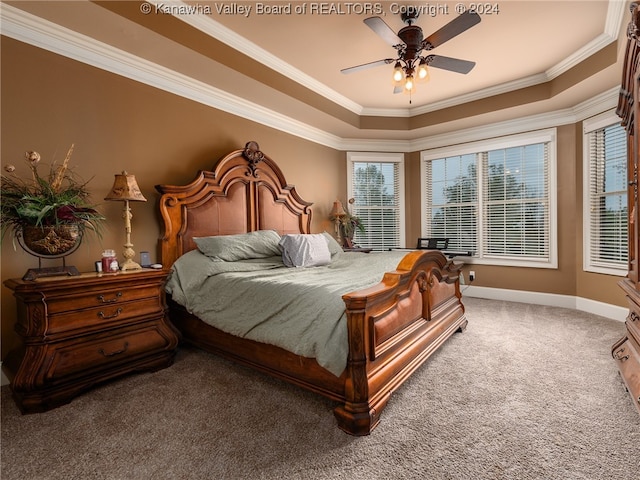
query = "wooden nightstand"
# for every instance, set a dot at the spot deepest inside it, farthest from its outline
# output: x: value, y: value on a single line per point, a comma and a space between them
x: 83, y: 330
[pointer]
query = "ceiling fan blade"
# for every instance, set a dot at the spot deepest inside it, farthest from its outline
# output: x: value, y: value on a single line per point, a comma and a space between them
x: 398, y: 89
x: 383, y: 30
x: 451, y: 64
x: 364, y: 66
x: 455, y: 27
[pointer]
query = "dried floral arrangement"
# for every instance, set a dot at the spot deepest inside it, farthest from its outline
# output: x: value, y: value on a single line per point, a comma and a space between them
x: 60, y: 198
x: 349, y: 223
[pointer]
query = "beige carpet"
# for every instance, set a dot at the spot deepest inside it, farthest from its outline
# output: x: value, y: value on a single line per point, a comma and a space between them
x: 527, y: 392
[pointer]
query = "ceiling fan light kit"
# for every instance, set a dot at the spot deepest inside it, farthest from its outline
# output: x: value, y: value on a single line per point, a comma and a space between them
x: 423, y: 72
x: 409, y: 83
x: 398, y: 73
x: 411, y: 47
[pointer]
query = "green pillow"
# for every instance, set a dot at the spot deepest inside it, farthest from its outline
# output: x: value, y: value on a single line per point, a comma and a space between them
x: 243, y: 246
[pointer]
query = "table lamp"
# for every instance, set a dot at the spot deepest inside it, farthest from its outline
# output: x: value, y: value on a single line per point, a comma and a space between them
x: 337, y: 212
x: 125, y: 188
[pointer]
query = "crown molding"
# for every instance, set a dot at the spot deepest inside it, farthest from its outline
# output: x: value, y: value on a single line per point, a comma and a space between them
x: 615, y: 16
x: 214, y: 29
x: 479, y: 95
x: 374, y: 145
x: 602, y: 102
x: 616, y: 11
x: 33, y: 30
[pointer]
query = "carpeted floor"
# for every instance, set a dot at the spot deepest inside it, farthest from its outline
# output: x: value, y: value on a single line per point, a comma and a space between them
x: 527, y: 392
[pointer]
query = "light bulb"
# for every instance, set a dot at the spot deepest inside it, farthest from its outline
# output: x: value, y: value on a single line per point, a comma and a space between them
x: 397, y: 72
x: 423, y: 73
x: 408, y: 84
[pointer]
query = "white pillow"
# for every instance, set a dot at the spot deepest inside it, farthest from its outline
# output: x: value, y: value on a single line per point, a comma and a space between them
x: 305, y: 250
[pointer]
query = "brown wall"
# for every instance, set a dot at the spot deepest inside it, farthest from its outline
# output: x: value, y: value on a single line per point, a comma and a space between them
x: 563, y: 279
x: 50, y: 102
x: 568, y: 278
x: 603, y: 288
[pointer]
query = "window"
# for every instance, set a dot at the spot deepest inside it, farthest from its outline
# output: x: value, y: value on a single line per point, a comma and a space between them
x: 605, y: 195
x: 376, y: 183
x: 495, y: 198
x: 452, y: 200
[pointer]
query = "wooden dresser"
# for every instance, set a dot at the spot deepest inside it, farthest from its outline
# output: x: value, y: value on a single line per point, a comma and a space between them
x: 626, y: 351
x: 83, y: 330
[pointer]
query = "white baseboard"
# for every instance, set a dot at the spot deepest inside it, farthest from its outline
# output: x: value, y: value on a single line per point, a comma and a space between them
x: 551, y: 299
x: 614, y: 312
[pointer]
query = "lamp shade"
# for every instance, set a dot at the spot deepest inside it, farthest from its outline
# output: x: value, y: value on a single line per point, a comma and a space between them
x: 338, y: 209
x: 125, y: 187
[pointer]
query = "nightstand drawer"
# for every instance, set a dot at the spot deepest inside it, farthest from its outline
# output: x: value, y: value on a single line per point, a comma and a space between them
x: 99, y: 297
x: 98, y: 351
x: 79, y: 331
x: 107, y: 315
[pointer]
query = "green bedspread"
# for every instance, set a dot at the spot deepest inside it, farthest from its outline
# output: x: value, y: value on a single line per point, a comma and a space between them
x: 298, y: 309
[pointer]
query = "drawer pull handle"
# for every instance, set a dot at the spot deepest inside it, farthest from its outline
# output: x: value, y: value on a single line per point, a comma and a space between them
x: 117, y: 352
x: 106, y: 317
x: 111, y: 300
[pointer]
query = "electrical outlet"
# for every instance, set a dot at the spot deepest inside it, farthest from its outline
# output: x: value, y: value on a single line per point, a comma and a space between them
x: 472, y: 276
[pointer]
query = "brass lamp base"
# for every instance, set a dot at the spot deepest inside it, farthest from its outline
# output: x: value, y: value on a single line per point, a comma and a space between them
x: 128, y: 253
x: 129, y: 264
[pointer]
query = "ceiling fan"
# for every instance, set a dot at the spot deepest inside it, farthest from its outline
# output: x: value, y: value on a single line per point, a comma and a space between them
x: 412, y: 48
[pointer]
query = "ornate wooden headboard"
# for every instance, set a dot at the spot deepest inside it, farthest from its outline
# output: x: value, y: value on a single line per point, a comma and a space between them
x: 245, y: 192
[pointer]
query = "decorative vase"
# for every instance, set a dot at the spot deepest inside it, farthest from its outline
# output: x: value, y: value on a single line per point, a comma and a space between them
x: 347, y: 236
x: 56, y: 241
x: 51, y: 241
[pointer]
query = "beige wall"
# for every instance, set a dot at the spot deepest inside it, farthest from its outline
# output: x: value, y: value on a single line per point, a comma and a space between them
x: 563, y: 279
x: 603, y: 288
x: 50, y: 102
x: 568, y: 278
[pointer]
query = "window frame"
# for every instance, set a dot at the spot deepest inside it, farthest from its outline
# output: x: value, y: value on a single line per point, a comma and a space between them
x: 589, y: 126
x: 378, y: 157
x: 548, y: 136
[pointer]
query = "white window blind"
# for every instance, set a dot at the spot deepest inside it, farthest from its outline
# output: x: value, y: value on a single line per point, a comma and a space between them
x: 516, y: 209
x: 453, y: 198
x: 495, y: 198
x: 377, y: 187
x: 606, y: 209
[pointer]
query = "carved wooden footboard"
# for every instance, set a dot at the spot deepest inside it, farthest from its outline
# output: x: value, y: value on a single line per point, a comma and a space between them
x: 393, y: 327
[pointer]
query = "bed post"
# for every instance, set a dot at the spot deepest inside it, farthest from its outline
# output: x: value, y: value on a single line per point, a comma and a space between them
x: 357, y: 416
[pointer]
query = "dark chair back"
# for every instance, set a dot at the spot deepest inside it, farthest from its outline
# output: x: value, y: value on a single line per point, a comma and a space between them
x: 433, y: 243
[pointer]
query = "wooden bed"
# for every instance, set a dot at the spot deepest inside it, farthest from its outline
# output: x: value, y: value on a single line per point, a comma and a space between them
x: 393, y: 327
